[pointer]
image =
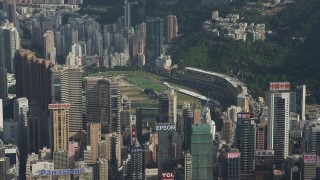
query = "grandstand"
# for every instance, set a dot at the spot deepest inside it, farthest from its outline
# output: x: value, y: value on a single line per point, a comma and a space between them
x: 219, y: 85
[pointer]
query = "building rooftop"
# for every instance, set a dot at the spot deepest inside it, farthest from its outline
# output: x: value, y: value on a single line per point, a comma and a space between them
x: 235, y: 82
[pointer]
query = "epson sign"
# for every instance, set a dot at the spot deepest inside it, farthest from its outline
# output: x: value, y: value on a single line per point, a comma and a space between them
x: 165, y: 127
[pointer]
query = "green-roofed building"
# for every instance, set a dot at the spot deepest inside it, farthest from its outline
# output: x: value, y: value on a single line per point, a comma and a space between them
x: 202, y: 152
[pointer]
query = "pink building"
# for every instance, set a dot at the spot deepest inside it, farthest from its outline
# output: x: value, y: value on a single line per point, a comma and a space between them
x: 73, y: 152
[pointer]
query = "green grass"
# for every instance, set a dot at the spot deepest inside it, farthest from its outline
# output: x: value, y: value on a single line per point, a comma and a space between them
x: 144, y: 79
x: 145, y: 83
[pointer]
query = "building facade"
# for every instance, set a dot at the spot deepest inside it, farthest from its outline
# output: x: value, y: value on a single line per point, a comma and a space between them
x: 202, y: 152
x: 278, y: 127
x: 59, y: 122
x: 66, y: 87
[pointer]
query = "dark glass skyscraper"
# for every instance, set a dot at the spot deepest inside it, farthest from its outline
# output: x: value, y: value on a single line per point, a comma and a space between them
x: 155, y: 38
x: 245, y: 142
x: 164, y: 148
x: 136, y: 162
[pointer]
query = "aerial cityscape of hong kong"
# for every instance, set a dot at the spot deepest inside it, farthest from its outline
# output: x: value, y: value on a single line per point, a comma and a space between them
x: 159, y: 90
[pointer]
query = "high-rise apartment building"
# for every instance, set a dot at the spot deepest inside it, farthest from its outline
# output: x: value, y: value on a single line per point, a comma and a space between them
x: 94, y: 132
x: 33, y: 82
x: 49, y: 50
x: 102, y: 167
x: 202, y: 152
x: 171, y: 28
x: 138, y: 46
x: 33, y: 78
x: 245, y: 141
x: 243, y: 102
x: 73, y: 152
x: 3, y: 83
x: 278, y: 100
x: 155, y: 38
x: 9, y: 43
x: 66, y: 87
x: 196, y: 116
x: 103, y: 103
x: 127, y: 13
x: 261, y: 136
x: 59, y: 123
x: 168, y: 107
x: 60, y: 159
x: 4, y: 167
x: 12, y: 12
x: 187, y: 166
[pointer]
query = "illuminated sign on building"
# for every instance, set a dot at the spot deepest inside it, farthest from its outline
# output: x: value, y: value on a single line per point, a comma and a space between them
x: 167, y: 176
x: 310, y: 158
x: 232, y: 155
x: 165, y: 127
x: 264, y: 152
x: 276, y: 86
x: 151, y: 172
x: 59, y: 106
x: 245, y: 115
x: 59, y: 172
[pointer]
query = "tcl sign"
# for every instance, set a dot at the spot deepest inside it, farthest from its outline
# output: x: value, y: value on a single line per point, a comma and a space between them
x: 167, y: 176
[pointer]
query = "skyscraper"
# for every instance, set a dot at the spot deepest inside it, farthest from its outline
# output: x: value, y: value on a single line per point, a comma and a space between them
x: 34, y: 125
x: 155, y: 38
x: 136, y: 162
x: 245, y: 142
x: 313, y: 139
x: 21, y: 109
x: 33, y: 78
x: 103, y: 103
x: 202, y: 152
x: 3, y: 83
x: 188, y: 166
x: 230, y: 164
x: 12, y: 12
x: 49, y: 52
x: 59, y: 123
x: 127, y: 13
x: 138, y: 46
x: 33, y: 82
x: 164, y: 147
x: 278, y: 100
x: 301, y: 101
x: 171, y: 28
x: 94, y: 131
x: 9, y: 43
x: 102, y: 166
x: 66, y: 84
x: 187, y: 126
x: 168, y: 107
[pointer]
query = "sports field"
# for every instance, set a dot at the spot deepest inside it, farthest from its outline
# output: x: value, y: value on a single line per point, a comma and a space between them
x: 134, y: 82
